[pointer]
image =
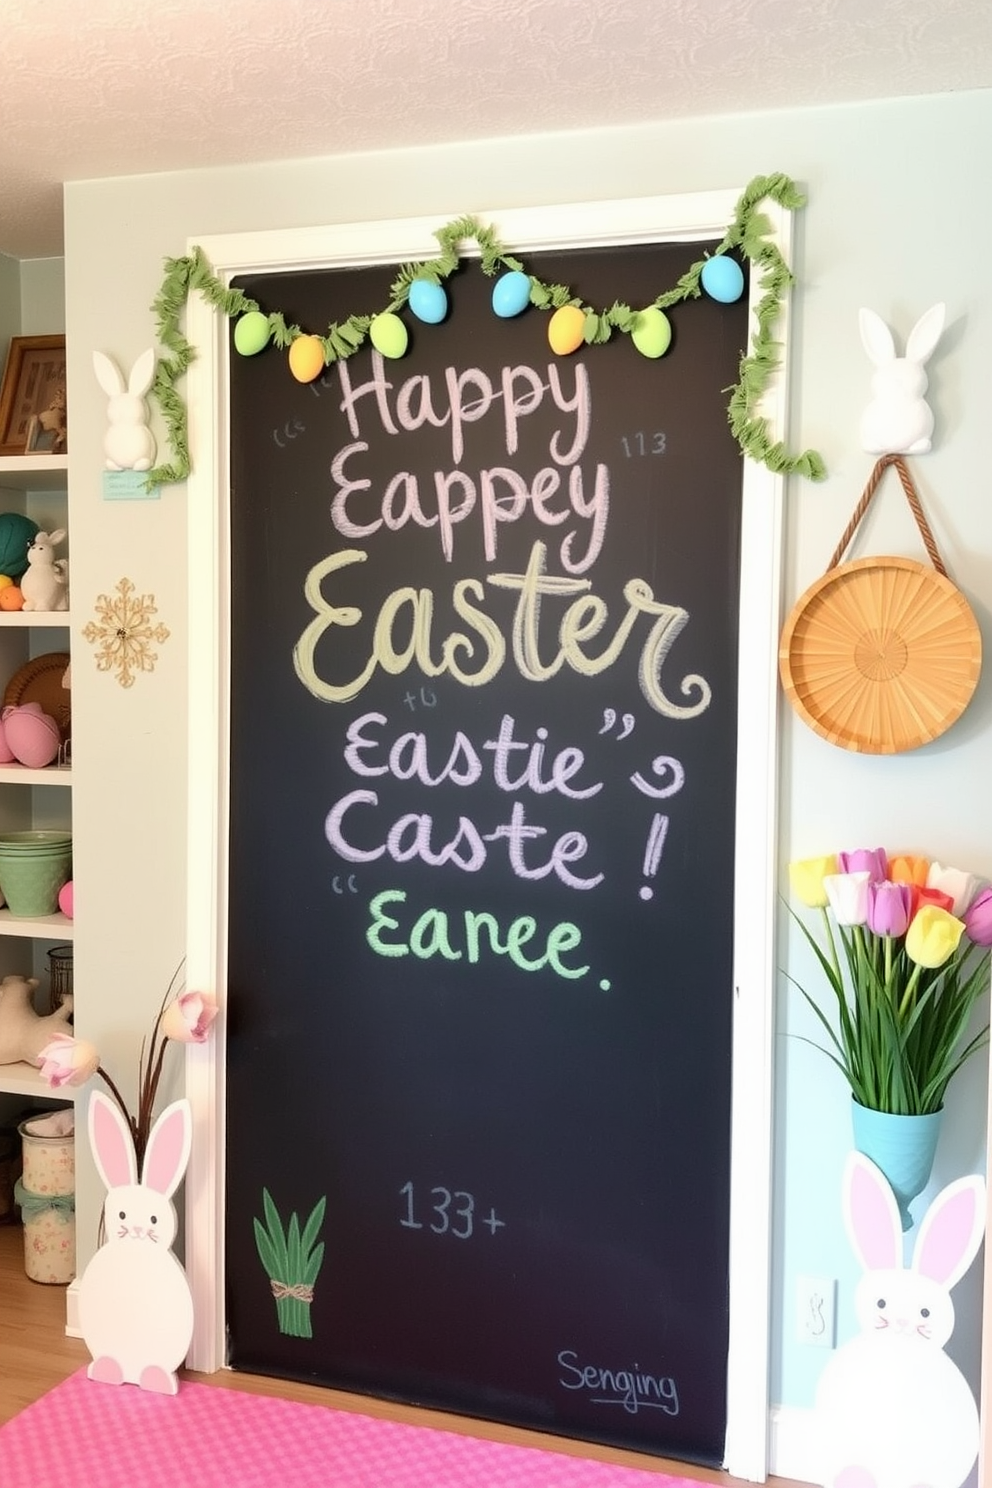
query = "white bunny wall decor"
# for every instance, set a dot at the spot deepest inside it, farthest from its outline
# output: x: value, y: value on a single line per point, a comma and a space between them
x: 892, y: 1409
x: 135, y: 1304
x: 128, y: 443
x: 899, y: 420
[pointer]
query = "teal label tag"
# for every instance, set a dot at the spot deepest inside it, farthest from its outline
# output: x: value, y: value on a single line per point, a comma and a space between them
x: 128, y: 485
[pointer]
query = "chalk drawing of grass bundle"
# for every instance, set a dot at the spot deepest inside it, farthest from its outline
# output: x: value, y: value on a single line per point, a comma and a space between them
x: 292, y: 1261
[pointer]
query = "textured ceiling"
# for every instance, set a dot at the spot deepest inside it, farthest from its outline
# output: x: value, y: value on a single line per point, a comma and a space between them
x: 93, y: 88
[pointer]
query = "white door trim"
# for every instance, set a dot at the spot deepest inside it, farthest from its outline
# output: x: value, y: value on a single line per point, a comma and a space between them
x: 699, y: 217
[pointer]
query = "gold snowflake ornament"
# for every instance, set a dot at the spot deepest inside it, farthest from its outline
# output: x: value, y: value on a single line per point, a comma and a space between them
x: 124, y: 633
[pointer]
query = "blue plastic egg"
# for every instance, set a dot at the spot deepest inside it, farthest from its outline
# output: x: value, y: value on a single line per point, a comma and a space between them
x: 428, y: 301
x: 723, y: 279
x: 511, y: 294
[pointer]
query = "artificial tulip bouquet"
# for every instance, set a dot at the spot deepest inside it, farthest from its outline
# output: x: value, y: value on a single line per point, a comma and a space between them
x: 905, y: 953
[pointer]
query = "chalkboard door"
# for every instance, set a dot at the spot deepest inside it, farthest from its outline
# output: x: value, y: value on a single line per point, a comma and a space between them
x: 483, y: 739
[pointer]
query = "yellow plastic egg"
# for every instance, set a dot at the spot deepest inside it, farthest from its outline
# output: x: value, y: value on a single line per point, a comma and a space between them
x: 306, y: 358
x: 5, y: 581
x: 651, y: 332
x: 566, y: 329
x: 388, y: 334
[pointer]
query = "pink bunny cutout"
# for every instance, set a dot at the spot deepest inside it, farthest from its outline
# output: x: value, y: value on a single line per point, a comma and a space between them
x: 135, y: 1304
x: 892, y: 1409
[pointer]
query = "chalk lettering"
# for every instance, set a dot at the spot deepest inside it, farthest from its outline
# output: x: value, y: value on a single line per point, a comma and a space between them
x: 630, y: 1388
x: 429, y: 936
x: 582, y: 621
x: 412, y: 836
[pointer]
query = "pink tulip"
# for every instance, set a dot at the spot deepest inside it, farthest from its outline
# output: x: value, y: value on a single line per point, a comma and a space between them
x: 890, y: 907
x: 978, y: 919
x: 870, y: 860
x: 188, y: 1017
x: 67, y: 1061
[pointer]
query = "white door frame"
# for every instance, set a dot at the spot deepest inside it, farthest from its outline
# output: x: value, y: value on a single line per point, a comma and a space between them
x: 699, y: 217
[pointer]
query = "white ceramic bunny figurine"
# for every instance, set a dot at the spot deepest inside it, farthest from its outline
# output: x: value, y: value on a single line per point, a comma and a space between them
x: 128, y: 443
x: 899, y: 420
x: 45, y: 582
x: 135, y: 1305
x: 892, y: 1409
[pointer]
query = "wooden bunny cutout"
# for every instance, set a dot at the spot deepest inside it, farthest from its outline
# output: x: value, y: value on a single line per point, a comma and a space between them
x: 892, y: 1408
x: 135, y: 1304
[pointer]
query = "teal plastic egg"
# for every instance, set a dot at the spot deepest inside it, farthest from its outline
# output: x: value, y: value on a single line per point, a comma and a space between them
x: 511, y: 294
x: 251, y: 334
x: 428, y: 301
x: 17, y: 533
x: 388, y: 334
x: 651, y: 332
x: 723, y: 279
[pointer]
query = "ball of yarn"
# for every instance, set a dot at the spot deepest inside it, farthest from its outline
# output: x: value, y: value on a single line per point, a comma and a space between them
x: 17, y: 533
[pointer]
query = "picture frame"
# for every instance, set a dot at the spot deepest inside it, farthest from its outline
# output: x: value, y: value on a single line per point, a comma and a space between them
x: 33, y: 397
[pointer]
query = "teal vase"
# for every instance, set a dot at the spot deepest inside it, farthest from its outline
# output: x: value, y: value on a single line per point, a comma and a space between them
x: 902, y: 1147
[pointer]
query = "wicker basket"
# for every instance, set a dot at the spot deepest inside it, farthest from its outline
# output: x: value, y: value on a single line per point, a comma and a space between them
x: 881, y: 655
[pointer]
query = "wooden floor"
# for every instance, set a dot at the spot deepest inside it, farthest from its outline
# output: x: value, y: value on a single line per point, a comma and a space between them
x: 35, y: 1355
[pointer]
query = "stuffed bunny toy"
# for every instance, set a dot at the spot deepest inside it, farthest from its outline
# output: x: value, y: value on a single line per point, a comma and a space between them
x: 899, y: 420
x: 23, y: 1032
x: 135, y: 1304
x: 45, y: 582
x: 892, y: 1410
x: 128, y: 443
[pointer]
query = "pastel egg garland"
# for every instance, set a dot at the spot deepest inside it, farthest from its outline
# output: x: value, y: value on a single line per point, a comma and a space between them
x: 419, y: 287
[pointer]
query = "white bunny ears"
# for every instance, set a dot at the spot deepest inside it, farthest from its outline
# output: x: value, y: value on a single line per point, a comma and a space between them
x: 166, y: 1155
x: 899, y: 420
x: 109, y: 376
x: 949, y: 1235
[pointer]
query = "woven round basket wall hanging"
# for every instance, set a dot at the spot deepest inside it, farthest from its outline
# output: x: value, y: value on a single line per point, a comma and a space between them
x: 881, y: 655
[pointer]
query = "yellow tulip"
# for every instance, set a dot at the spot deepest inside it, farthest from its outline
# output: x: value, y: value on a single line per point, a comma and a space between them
x: 933, y: 936
x: 807, y: 877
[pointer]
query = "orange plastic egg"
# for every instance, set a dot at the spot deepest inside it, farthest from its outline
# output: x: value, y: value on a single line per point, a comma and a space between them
x: 11, y: 598
x: 566, y: 329
x: 306, y: 358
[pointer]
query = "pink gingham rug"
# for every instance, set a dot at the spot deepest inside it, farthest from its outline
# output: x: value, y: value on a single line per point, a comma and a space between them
x: 88, y: 1435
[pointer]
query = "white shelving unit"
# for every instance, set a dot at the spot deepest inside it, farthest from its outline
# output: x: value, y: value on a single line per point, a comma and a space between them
x: 37, y: 486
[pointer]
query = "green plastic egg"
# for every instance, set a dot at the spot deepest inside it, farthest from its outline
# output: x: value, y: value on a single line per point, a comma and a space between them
x: 651, y: 332
x: 17, y: 533
x: 388, y: 334
x: 251, y: 334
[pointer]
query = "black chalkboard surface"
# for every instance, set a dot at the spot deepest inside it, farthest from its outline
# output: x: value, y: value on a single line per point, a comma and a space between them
x: 483, y: 740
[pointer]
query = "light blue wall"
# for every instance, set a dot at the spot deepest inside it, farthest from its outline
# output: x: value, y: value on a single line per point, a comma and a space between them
x: 897, y: 219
